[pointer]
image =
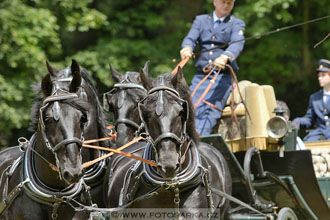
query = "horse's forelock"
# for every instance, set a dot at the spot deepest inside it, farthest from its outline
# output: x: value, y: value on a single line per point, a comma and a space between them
x: 167, y: 80
x: 133, y: 77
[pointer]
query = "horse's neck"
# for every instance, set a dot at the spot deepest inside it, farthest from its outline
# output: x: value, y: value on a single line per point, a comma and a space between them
x: 44, y: 172
x: 125, y: 137
x: 91, y: 133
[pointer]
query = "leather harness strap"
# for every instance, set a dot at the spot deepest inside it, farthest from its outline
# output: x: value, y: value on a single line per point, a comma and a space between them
x: 213, y: 106
x: 233, y: 75
x: 117, y: 151
x: 6, y: 202
x: 193, y: 93
x: 181, y: 64
x: 96, y: 140
x: 208, y: 87
x: 183, y: 157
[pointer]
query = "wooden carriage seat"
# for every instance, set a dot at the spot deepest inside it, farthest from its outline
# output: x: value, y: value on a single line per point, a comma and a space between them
x: 260, y: 102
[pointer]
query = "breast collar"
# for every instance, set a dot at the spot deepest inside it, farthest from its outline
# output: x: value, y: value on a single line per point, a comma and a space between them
x: 95, y: 175
x: 37, y: 190
x: 186, y: 179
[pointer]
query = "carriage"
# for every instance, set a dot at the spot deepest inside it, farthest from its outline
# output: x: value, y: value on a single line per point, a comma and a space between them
x: 285, y: 184
x: 266, y: 167
x: 269, y: 180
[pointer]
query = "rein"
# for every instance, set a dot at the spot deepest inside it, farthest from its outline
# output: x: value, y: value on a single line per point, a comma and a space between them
x: 113, y: 151
x: 209, y: 71
x: 181, y: 64
x: 123, y: 85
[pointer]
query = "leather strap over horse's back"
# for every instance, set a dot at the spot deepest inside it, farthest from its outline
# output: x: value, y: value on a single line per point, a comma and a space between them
x: 9, y: 198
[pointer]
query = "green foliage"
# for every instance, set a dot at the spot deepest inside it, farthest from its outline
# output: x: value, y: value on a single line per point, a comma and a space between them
x: 280, y: 58
x: 26, y: 35
x: 127, y: 33
x: 29, y: 34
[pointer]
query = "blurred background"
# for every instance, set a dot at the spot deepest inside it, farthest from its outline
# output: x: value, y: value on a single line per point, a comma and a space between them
x: 127, y: 33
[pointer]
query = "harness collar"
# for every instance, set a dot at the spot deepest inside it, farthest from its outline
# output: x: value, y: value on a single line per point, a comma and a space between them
x: 188, y: 177
x: 95, y: 175
x: 38, y: 191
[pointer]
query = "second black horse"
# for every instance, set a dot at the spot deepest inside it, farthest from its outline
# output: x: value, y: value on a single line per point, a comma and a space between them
x: 186, y: 168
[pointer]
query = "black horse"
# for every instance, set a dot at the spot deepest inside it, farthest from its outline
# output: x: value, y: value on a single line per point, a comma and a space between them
x: 187, y: 169
x: 46, y: 181
x: 122, y: 101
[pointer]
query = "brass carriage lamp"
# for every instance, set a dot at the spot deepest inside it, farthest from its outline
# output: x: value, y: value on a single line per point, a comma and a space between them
x: 277, y: 128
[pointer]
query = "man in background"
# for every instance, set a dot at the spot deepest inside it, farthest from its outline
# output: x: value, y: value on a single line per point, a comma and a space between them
x: 211, y: 31
x: 318, y: 111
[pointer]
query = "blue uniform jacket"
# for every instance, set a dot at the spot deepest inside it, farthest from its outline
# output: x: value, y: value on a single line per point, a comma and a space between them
x: 203, y: 33
x: 316, y: 113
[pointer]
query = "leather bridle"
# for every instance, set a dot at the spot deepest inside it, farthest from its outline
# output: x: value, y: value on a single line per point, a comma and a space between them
x: 55, y: 98
x: 121, y: 87
x: 167, y: 135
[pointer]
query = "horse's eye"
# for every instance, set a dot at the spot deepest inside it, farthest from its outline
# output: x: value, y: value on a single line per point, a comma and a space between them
x: 48, y: 119
x: 111, y: 108
x: 84, y: 119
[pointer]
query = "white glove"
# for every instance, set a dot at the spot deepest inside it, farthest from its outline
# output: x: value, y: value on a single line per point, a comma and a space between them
x: 185, y: 52
x: 221, y: 61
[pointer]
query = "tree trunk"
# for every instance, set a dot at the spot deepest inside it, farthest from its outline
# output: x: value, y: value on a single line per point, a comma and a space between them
x: 305, y: 30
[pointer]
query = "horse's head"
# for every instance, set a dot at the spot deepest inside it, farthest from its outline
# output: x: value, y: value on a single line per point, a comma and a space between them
x: 122, y: 101
x: 165, y: 114
x: 63, y: 117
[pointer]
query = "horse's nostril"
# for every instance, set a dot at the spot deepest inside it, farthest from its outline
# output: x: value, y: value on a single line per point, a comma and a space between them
x: 160, y: 168
x: 177, y: 166
x: 164, y: 170
x: 67, y: 176
x: 72, y: 177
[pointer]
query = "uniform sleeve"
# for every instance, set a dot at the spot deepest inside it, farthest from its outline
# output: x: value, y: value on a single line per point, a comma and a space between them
x: 193, y: 35
x: 237, y: 34
x: 309, y: 118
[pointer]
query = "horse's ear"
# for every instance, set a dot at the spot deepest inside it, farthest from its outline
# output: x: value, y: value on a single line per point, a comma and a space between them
x: 47, y: 85
x: 76, y: 76
x: 178, y: 79
x: 146, y: 67
x: 146, y: 81
x: 52, y: 71
x: 116, y: 76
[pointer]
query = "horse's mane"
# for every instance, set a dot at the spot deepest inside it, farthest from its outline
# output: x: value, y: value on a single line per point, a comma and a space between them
x: 101, y: 119
x: 183, y: 90
x: 36, y: 105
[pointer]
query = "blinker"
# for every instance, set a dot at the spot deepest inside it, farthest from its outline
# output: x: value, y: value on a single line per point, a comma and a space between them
x: 56, y: 111
x: 160, y: 101
x: 160, y: 104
